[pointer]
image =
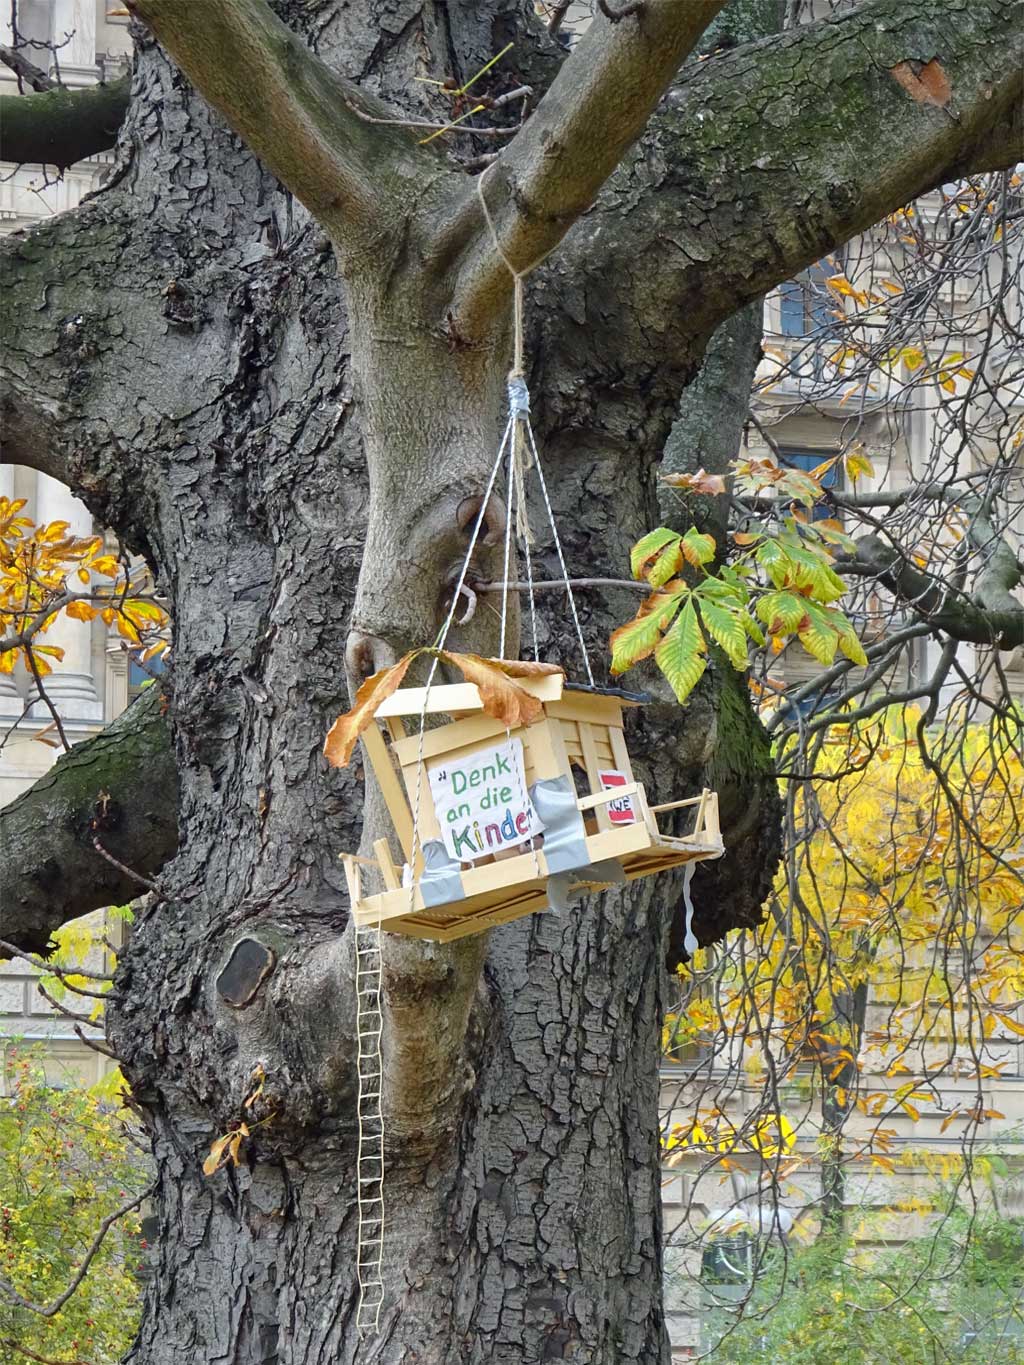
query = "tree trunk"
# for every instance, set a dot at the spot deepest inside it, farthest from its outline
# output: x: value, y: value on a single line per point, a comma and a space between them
x: 522, y: 1164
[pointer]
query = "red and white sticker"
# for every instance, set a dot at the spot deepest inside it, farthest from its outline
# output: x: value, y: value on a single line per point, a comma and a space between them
x: 620, y: 811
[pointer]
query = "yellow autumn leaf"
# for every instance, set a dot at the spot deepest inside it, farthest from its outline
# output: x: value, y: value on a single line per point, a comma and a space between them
x: 857, y: 463
x: 81, y: 611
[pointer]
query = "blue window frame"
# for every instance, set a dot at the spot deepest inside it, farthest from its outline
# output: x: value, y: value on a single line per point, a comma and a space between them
x: 805, y: 307
x: 807, y: 460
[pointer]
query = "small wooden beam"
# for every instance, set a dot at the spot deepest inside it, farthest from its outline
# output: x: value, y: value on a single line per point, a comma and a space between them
x: 392, y: 881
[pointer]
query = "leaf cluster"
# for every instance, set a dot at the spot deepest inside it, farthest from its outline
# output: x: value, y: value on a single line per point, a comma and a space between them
x: 780, y: 581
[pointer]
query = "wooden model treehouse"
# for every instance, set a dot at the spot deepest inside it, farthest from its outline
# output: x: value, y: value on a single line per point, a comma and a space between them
x: 497, y: 822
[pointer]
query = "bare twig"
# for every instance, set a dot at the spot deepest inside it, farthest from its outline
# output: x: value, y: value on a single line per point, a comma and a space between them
x: 495, y: 131
x: 62, y: 973
x: 34, y: 1355
x: 74, y: 1015
x: 128, y: 871
x: 30, y: 656
x: 96, y: 1045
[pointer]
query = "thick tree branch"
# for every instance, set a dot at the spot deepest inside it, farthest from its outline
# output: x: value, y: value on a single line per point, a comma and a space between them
x: 299, y: 117
x: 49, y: 870
x: 768, y: 156
x: 995, y: 618
x: 59, y: 127
x: 551, y: 173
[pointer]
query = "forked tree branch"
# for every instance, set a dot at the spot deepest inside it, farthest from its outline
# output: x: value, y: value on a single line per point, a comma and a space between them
x: 551, y: 172
x: 300, y: 118
x: 997, y: 619
x: 51, y: 1310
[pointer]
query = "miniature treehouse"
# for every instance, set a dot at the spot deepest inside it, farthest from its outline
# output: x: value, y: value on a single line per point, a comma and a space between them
x: 508, y: 821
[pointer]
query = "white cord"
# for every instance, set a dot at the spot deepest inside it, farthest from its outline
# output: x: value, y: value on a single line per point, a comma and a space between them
x: 370, y: 1119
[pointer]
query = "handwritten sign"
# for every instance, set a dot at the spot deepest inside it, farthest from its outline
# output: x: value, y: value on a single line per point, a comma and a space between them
x: 481, y: 802
x: 620, y: 811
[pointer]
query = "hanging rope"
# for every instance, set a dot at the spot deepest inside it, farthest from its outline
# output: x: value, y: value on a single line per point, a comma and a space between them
x: 519, y: 415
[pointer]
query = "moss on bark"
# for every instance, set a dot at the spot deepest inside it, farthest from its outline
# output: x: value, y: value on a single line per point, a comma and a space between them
x: 62, y: 126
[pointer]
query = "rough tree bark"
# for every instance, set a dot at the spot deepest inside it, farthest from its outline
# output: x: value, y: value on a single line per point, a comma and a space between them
x: 295, y: 457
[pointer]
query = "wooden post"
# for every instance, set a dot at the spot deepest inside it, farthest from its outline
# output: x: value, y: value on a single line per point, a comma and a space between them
x: 384, y: 770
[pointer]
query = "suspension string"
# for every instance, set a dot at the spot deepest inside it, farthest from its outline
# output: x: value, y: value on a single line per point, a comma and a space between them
x: 519, y: 405
x: 505, y: 590
x: 561, y: 556
x: 439, y: 643
x: 527, y: 539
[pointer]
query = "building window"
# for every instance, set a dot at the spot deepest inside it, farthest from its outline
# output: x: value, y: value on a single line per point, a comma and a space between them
x: 808, y: 460
x: 806, y: 309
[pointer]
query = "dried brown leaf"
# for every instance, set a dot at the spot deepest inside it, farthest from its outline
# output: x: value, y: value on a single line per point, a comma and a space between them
x: 344, y: 733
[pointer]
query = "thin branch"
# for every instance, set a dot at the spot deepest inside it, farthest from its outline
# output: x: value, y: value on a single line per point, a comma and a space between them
x: 51, y: 969
x: 26, y: 70
x: 30, y: 656
x: 96, y: 1045
x: 39, y: 620
x: 890, y: 645
x: 78, y: 1020
x: 51, y: 1310
x: 128, y: 871
x: 75, y: 1015
x: 417, y: 126
x: 34, y: 1355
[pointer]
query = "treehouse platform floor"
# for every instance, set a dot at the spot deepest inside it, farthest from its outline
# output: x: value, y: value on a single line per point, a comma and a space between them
x: 500, y: 892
